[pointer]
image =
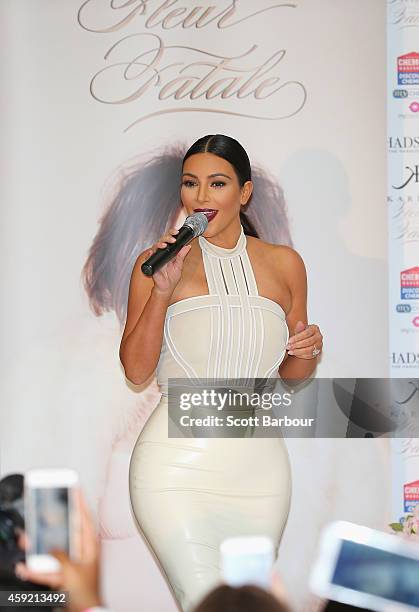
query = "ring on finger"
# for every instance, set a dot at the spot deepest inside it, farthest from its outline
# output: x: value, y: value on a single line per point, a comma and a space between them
x: 316, y: 351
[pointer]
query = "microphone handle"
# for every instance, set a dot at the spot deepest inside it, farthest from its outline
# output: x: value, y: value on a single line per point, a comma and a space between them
x: 162, y: 256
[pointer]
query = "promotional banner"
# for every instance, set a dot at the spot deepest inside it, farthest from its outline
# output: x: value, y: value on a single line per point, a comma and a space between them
x: 403, y: 216
x: 102, y: 100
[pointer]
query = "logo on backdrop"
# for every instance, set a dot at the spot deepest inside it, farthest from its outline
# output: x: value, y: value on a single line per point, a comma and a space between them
x: 405, y: 359
x: 402, y: 94
x: 411, y: 175
x: 403, y: 308
x: 405, y: 144
x: 143, y: 66
x: 404, y: 13
x: 409, y: 284
x: 404, y: 217
x: 408, y: 69
x: 411, y: 495
x: 168, y: 14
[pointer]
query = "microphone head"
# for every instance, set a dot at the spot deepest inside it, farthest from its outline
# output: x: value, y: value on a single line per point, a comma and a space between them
x: 197, y: 222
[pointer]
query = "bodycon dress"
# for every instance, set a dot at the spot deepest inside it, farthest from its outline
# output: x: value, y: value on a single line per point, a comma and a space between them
x: 189, y: 494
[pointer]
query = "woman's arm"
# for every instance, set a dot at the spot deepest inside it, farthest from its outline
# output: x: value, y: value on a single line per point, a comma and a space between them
x: 142, y: 339
x: 148, y: 300
x: 299, y: 363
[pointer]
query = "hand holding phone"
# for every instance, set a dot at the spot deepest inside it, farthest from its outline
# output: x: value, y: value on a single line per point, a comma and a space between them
x: 79, y: 577
x: 367, y: 568
x: 51, y: 519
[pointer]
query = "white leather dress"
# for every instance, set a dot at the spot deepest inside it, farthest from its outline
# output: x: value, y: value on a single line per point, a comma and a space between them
x: 189, y: 494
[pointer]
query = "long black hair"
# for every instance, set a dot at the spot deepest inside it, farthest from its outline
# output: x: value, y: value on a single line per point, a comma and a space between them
x: 232, y: 151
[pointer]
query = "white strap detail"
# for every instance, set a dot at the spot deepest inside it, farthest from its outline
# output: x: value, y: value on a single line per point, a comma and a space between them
x: 237, y: 334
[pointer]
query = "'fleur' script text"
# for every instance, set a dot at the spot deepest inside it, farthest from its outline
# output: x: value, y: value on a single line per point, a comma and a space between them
x: 168, y: 14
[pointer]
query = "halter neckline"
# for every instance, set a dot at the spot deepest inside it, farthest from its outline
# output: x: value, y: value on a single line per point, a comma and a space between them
x: 218, y: 251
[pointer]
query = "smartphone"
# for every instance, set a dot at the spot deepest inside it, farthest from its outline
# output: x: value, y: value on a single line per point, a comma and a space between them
x: 366, y: 568
x: 50, y: 516
x: 247, y: 560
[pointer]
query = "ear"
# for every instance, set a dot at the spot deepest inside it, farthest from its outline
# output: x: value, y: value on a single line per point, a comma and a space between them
x: 246, y: 192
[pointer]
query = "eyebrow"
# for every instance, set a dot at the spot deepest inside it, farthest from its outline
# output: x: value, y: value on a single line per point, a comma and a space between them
x: 209, y: 175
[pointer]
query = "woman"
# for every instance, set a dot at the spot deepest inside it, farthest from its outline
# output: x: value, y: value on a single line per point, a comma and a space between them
x: 141, y: 202
x: 246, y: 297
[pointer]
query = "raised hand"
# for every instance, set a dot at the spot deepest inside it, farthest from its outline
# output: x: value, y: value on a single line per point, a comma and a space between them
x: 81, y: 577
x: 168, y: 276
x: 307, y: 341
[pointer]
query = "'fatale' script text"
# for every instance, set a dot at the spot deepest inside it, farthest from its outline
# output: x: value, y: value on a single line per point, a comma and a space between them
x: 214, y: 76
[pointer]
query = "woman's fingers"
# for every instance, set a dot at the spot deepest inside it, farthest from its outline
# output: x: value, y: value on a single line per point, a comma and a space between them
x: 309, y: 331
x: 184, y: 251
x: 313, y: 340
x: 52, y: 579
x: 303, y: 353
x: 168, y: 237
x: 177, y: 262
x: 303, y: 343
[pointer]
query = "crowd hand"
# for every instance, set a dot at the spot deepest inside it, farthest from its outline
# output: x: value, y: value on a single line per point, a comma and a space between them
x: 307, y: 341
x: 80, y: 578
x: 168, y: 276
x: 278, y: 590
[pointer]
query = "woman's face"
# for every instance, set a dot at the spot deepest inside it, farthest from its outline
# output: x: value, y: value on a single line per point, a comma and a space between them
x: 210, y: 182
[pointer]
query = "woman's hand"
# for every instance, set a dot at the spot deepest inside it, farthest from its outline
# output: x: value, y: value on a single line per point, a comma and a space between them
x: 168, y: 276
x: 307, y: 341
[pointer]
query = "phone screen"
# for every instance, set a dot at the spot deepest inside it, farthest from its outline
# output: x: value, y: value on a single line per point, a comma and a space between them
x: 377, y: 572
x: 49, y: 517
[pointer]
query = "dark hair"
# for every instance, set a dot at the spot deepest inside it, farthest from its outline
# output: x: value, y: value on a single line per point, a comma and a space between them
x: 232, y: 151
x: 145, y: 202
x: 240, y: 599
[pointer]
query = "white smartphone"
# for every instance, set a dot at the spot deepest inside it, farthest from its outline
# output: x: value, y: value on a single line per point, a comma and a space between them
x: 50, y: 516
x: 247, y: 560
x: 366, y: 568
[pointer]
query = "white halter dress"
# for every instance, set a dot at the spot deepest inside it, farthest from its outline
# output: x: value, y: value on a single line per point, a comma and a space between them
x: 190, y: 494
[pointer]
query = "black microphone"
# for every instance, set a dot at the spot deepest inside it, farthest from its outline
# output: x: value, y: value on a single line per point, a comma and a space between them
x: 194, y: 226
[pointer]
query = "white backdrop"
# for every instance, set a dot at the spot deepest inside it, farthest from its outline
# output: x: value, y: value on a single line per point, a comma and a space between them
x: 66, y: 136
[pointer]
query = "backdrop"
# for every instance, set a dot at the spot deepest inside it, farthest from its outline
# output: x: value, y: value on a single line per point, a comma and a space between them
x: 102, y: 98
x: 403, y: 223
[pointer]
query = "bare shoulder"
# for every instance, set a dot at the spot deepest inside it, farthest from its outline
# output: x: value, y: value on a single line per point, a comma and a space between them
x: 289, y: 258
x: 283, y: 258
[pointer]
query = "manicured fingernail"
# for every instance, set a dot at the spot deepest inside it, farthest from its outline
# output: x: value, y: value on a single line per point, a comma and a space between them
x: 290, y: 353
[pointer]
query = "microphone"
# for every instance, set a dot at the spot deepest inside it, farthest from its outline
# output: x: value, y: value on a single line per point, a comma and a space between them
x: 194, y: 226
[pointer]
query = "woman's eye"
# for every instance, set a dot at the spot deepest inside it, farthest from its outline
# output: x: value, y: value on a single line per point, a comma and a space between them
x: 219, y: 183
x: 188, y: 183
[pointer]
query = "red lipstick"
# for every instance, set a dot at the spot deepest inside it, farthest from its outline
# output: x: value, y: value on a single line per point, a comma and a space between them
x: 208, y: 212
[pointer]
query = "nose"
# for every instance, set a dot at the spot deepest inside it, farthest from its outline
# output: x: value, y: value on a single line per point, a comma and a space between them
x: 202, y: 193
